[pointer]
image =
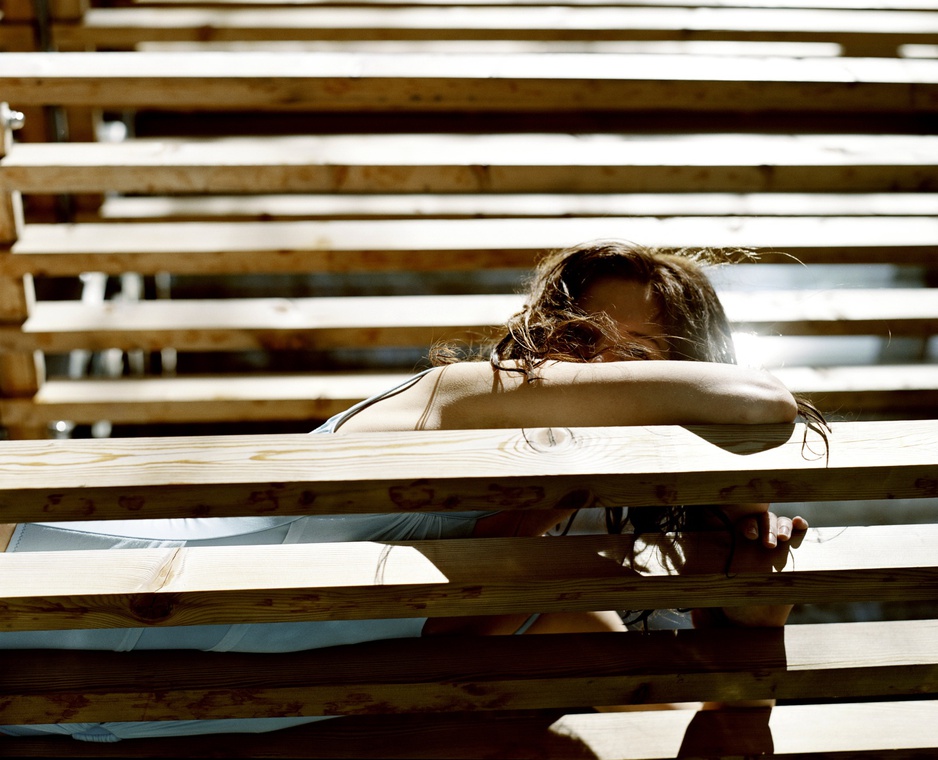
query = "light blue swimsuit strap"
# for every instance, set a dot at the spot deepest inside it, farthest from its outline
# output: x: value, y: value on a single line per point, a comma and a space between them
x: 333, y: 423
x: 523, y: 628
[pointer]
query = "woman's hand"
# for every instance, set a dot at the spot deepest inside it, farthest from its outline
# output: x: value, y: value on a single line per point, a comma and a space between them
x: 755, y: 522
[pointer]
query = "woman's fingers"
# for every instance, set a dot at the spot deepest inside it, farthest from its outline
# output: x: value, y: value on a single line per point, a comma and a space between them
x: 771, y: 528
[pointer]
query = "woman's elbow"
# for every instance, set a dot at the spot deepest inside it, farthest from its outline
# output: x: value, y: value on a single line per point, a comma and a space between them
x: 771, y: 402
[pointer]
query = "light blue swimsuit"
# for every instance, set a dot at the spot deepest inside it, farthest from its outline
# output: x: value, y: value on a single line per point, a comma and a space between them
x: 254, y: 637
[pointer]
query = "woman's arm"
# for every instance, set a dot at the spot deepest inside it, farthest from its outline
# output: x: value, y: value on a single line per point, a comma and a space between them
x: 473, y: 395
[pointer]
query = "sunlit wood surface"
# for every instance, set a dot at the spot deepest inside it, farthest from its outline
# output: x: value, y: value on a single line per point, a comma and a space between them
x: 336, y: 82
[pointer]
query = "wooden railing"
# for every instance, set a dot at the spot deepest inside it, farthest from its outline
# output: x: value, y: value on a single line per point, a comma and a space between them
x: 362, y: 204
x: 828, y: 678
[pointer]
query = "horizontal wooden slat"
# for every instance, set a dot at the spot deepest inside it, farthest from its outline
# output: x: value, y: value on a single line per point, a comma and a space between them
x: 437, y: 245
x: 482, y: 163
x: 475, y: 674
x: 912, y: 388
x: 339, y: 581
x: 895, y: 730
x: 371, y: 321
x: 887, y: 5
x: 495, y: 469
x: 289, y: 207
x: 353, y: 82
x: 120, y: 27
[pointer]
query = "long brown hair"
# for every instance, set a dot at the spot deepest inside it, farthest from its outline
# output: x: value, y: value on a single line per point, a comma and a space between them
x: 553, y: 324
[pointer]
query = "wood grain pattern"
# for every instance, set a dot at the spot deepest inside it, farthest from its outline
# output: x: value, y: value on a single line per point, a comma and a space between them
x: 441, y: 245
x: 126, y: 27
x: 370, y: 321
x: 375, y: 82
x: 279, y: 207
x: 493, y: 469
x: 364, y: 580
x: 317, y: 396
x: 482, y: 163
x: 894, y: 730
x: 481, y: 673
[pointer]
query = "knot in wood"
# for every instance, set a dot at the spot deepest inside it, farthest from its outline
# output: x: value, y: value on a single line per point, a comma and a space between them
x: 549, y: 439
x: 152, y: 608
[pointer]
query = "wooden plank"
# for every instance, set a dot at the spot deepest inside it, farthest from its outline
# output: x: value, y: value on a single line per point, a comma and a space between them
x: 351, y: 82
x: 911, y: 388
x: 482, y: 163
x: 15, y: 37
x: 439, y: 245
x: 473, y: 674
x: 271, y: 324
x: 495, y: 469
x: 126, y: 27
x: 895, y: 730
x: 339, y: 207
x: 884, y: 5
x: 341, y: 322
x: 364, y: 580
x: 878, y: 388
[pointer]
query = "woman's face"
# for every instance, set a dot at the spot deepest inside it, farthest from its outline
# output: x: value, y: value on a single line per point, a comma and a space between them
x: 633, y: 309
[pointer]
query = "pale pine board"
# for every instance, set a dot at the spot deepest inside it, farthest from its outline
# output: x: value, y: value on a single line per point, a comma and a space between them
x: 482, y: 163
x: 441, y: 245
x: 126, y: 27
x: 371, y: 321
x: 363, y: 580
x: 491, y: 469
x: 523, y: 82
x: 543, y: 205
x: 317, y: 396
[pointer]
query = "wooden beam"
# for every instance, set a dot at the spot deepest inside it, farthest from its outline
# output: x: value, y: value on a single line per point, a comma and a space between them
x: 221, y: 208
x: 440, y: 245
x: 911, y: 389
x: 126, y: 27
x: 341, y: 322
x: 364, y: 580
x: 883, y: 5
x: 895, y: 730
x: 474, y: 674
x: 482, y: 163
x: 492, y: 469
x: 360, y: 82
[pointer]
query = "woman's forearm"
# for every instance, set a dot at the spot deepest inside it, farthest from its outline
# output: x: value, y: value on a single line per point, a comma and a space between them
x: 617, y: 393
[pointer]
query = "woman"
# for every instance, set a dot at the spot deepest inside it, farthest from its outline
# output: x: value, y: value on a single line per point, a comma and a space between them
x: 569, y: 358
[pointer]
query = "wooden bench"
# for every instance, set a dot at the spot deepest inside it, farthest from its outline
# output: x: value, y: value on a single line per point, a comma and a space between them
x: 498, y: 695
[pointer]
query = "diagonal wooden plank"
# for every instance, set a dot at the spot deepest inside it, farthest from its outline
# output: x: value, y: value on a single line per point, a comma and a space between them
x: 491, y: 469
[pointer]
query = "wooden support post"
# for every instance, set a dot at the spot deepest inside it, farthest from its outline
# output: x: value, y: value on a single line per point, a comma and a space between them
x: 20, y: 373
